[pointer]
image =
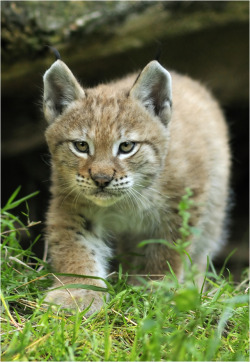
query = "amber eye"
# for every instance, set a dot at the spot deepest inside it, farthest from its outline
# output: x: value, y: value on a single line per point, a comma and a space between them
x: 81, y: 146
x: 126, y: 147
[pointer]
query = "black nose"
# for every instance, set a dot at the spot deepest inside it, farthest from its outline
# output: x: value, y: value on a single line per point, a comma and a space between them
x: 101, y: 180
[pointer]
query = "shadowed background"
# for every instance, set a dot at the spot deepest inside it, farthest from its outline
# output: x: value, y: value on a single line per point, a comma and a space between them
x: 100, y: 41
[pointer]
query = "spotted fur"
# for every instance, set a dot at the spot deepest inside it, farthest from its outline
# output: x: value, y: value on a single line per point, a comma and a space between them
x: 123, y: 154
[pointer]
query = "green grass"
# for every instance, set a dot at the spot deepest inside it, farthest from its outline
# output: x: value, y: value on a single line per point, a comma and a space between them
x: 156, y: 321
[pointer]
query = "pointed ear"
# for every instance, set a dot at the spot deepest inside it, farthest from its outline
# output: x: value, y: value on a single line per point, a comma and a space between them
x: 60, y: 90
x: 153, y: 89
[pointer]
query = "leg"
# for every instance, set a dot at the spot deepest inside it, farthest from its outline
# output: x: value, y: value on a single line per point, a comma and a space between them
x: 75, y: 250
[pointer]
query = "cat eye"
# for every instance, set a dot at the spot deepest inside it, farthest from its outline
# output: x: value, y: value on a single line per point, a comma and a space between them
x: 126, y: 147
x: 81, y: 146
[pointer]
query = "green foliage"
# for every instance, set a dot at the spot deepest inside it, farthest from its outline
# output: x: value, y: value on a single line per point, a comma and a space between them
x: 152, y: 322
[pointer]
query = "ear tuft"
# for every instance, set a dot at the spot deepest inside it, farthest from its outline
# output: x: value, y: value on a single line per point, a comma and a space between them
x: 60, y: 90
x: 55, y: 52
x: 153, y: 89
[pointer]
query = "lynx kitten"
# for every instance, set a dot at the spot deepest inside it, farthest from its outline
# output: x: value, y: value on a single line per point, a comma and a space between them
x: 123, y: 154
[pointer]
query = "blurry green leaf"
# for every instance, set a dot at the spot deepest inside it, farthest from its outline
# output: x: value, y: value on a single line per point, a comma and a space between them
x: 187, y: 299
x: 148, y: 325
x: 83, y: 286
x: 11, y: 205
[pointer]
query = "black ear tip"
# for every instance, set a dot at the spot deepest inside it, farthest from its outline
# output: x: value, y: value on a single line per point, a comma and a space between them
x: 55, y: 52
x: 158, y: 51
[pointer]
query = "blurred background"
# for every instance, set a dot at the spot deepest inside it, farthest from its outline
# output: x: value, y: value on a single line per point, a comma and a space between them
x: 102, y: 40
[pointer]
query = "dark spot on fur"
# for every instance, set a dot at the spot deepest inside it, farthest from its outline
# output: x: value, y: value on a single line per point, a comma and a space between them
x: 79, y: 233
x: 70, y: 228
x: 88, y: 225
x: 55, y: 242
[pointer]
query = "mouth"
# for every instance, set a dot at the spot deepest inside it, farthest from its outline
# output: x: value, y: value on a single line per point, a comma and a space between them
x: 102, y: 194
x: 104, y: 197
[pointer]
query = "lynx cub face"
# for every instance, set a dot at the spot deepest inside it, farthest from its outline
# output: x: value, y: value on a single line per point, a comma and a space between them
x: 107, y: 147
x: 122, y: 157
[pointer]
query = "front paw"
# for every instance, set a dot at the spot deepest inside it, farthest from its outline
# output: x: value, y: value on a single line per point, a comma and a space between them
x: 76, y: 299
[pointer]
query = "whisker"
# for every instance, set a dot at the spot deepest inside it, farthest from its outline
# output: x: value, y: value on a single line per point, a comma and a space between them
x: 151, y: 189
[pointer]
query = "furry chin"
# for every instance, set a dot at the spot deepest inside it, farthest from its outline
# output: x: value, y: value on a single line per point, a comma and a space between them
x: 103, y: 200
